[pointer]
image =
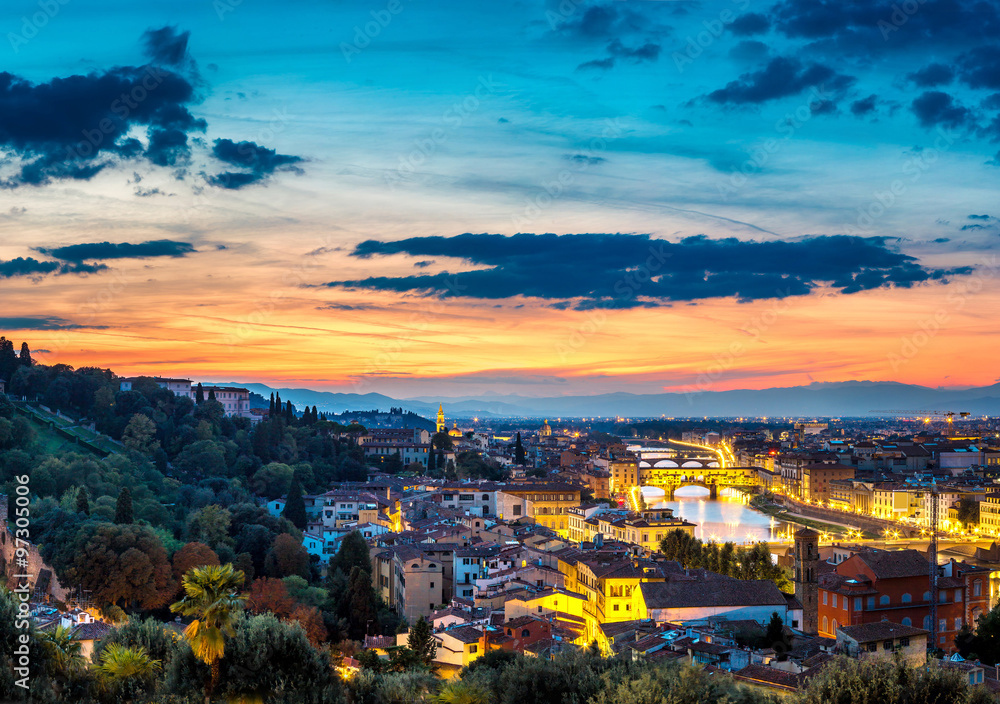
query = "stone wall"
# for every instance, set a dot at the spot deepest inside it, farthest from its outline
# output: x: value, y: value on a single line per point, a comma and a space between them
x: 36, y: 566
x: 867, y: 523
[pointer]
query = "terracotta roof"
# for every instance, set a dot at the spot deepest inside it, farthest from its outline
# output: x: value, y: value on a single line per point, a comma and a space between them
x: 763, y: 674
x: 723, y: 592
x: 880, y: 630
x: 892, y: 564
x: 92, y: 631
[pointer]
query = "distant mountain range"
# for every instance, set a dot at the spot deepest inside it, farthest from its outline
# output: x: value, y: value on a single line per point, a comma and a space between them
x: 847, y: 398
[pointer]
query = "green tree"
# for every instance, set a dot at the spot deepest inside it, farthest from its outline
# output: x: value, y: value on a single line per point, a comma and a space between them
x: 421, y: 641
x: 287, y: 556
x: 968, y: 512
x: 775, y: 632
x: 210, y: 525
x: 82, y: 501
x: 211, y: 596
x: 128, y: 671
x: 984, y: 642
x: 353, y: 552
x: 64, y: 655
x: 123, y: 507
x: 25, y: 357
x: 361, y: 603
x: 295, y: 506
x: 199, y: 394
x: 140, y: 434
x: 849, y: 681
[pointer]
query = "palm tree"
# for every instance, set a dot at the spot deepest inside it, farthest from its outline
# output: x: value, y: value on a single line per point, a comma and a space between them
x: 211, y: 597
x: 121, y: 665
x: 64, y: 654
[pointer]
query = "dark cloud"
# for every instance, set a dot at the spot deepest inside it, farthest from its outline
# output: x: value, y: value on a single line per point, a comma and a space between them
x: 749, y: 50
x: 980, y: 68
x: 934, y: 108
x: 625, y: 271
x: 29, y: 266
x: 76, y: 127
x: 603, y: 22
x: 585, y: 159
x: 166, y: 46
x: 942, y: 240
x: 73, y: 127
x: 867, y: 27
x: 37, y: 323
x: 981, y: 217
x: 599, y: 64
x: 423, y: 264
x: 750, y: 24
x: 647, y: 52
x: 124, y: 250
x: 864, y: 106
x: 616, y: 50
x: 259, y: 163
x: 932, y: 75
x: 780, y: 78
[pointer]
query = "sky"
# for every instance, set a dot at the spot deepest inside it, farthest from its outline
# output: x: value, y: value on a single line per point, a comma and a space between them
x: 534, y: 198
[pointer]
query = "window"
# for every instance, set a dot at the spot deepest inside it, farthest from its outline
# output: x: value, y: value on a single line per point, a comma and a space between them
x: 857, y: 603
x: 872, y: 647
x: 977, y: 587
x: 834, y: 601
x: 835, y: 626
x: 927, y: 623
x: 906, y: 599
x: 887, y: 645
x: 943, y: 596
x: 517, y: 509
x: 942, y: 625
x: 871, y: 602
x: 927, y: 596
x: 958, y: 595
x: 616, y: 607
x: 473, y: 648
x: 904, y: 642
x: 958, y: 623
x: 486, y: 497
x: 883, y: 600
x: 539, y: 609
x: 906, y: 622
x: 525, y: 633
x: 826, y: 624
x: 824, y: 598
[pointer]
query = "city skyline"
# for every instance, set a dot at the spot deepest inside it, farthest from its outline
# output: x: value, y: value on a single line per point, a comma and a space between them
x: 541, y: 199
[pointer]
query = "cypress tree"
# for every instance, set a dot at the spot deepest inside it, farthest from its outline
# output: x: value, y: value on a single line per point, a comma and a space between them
x: 421, y: 641
x: 270, y: 410
x: 289, y: 412
x: 211, y: 394
x: 440, y: 460
x: 25, y: 358
x: 295, y: 506
x: 315, y: 415
x: 199, y: 394
x: 82, y: 501
x: 431, y: 464
x: 123, y: 507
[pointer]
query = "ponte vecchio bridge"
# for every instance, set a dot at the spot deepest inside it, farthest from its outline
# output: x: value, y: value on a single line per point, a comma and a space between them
x: 669, y: 469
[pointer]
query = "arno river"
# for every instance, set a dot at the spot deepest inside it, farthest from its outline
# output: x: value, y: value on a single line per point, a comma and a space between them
x: 723, y: 519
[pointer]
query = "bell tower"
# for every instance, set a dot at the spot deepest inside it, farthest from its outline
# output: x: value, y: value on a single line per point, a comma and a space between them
x: 441, y: 427
x: 806, y: 579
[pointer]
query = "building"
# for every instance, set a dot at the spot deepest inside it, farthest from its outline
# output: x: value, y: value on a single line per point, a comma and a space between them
x: 805, y: 577
x: 884, y: 639
x: 235, y: 400
x: 441, y: 426
x: 624, y: 474
x: 873, y: 585
x: 547, y: 503
x: 409, y: 580
x: 817, y: 477
x: 681, y: 600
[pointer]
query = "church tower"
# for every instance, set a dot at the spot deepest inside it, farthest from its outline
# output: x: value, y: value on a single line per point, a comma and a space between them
x: 441, y: 427
x: 806, y: 579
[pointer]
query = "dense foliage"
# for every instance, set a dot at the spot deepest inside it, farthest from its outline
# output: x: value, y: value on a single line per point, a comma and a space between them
x: 741, y: 562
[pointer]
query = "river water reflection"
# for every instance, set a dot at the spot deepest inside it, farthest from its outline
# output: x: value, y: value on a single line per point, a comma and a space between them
x: 723, y: 519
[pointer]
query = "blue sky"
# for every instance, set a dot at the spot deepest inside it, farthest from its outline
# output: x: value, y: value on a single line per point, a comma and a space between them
x: 759, y: 122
